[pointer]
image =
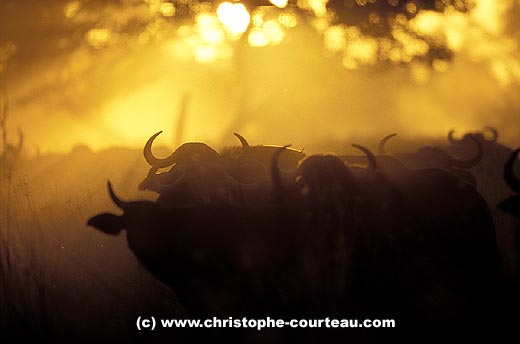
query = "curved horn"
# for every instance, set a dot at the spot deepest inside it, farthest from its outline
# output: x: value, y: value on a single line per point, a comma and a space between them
x: 117, y: 201
x: 465, y: 164
x: 151, y: 159
x: 243, y: 141
x: 384, y: 140
x: 370, y: 156
x: 156, y: 185
x: 262, y: 178
x: 509, y: 175
x: 451, y: 138
x: 494, y: 132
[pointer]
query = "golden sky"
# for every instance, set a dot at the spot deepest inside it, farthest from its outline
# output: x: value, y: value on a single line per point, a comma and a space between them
x: 112, y: 73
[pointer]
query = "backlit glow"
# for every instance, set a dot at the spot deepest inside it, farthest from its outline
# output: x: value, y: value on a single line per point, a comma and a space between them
x: 279, y: 3
x: 234, y: 17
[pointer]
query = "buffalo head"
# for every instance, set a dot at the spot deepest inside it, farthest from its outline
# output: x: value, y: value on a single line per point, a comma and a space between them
x: 480, y: 136
x: 199, y: 174
x: 113, y: 224
x: 437, y: 157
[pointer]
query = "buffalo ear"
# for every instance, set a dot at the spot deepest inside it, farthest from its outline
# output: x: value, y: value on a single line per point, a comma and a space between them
x: 107, y: 223
x: 511, y: 205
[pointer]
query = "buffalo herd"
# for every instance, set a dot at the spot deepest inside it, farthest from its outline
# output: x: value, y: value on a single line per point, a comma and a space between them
x: 271, y: 231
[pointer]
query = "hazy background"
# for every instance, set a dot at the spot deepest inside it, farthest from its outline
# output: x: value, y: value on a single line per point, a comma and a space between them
x: 111, y: 73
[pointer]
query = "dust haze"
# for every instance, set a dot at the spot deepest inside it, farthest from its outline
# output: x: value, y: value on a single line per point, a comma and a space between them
x: 74, y: 77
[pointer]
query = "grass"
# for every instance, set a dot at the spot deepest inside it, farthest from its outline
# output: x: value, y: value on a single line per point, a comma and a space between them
x: 22, y: 279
